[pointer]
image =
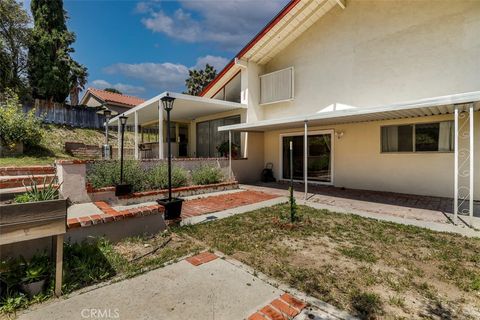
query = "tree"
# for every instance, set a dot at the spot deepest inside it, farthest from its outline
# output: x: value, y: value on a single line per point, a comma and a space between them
x: 52, y: 72
x: 113, y: 90
x: 15, y: 36
x: 198, y: 80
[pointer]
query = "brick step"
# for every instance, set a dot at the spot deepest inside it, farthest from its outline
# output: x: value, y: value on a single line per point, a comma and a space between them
x: 26, y: 171
x: 21, y: 180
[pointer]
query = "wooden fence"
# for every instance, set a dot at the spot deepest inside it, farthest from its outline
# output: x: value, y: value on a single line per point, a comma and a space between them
x: 75, y: 116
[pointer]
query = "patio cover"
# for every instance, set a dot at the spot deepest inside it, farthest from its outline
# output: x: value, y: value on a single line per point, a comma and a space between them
x: 411, y: 109
x: 450, y: 104
x: 186, y: 108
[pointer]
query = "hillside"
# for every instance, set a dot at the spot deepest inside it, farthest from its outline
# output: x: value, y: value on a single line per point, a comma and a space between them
x: 53, y: 141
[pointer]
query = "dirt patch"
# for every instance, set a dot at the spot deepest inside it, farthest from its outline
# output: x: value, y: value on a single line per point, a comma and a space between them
x: 372, y: 269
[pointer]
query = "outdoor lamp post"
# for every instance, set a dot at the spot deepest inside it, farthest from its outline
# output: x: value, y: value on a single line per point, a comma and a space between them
x: 122, y: 189
x: 107, y: 149
x: 173, y: 206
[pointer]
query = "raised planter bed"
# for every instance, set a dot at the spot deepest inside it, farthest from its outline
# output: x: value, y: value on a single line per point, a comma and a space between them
x: 108, y: 193
x: 34, y: 220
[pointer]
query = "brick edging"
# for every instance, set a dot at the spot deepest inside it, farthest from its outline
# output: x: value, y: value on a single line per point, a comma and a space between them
x: 284, y: 307
x: 140, y: 194
x: 109, y: 215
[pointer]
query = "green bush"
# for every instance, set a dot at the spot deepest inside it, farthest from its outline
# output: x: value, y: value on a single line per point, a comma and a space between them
x: 207, y: 175
x: 157, y: 177
x: 34, y: 194
x: 16, y: 126
x: 107, y: 173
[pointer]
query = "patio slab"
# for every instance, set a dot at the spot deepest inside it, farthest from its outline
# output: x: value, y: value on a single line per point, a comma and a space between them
x: 427, y: 212
x: 216, y: 289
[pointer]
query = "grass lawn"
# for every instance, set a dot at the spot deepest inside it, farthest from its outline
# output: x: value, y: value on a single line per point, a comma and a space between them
x: 52, y: 145
x: 91, y: 263
x: 369, y: 268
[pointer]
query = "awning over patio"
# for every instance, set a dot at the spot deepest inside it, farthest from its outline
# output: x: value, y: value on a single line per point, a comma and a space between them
x: 411, y: 109
x: 186, y: 108
x: 460, y: 105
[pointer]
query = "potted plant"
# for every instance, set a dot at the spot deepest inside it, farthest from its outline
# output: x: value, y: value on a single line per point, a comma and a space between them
x: 222, y: 148
x: 35, y: 275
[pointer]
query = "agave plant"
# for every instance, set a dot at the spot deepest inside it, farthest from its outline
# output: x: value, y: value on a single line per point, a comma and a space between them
x: 34, y: 193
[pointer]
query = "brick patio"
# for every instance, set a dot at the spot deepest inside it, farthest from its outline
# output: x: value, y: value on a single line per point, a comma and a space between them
x: 425, y: 208
x: 212, y: 204
x: 191, y: 208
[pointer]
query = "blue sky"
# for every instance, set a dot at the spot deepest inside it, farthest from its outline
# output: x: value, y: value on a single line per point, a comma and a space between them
x: 146, y: 47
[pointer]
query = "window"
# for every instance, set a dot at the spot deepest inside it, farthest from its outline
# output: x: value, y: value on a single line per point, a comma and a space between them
x: 424, y: 137
x: 276, y: 86
x: 208, y: 137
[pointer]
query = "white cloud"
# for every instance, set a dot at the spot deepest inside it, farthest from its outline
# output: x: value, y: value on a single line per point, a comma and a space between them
x: 229, y: 23
x: 123, y: 88
x: 163, y: 76
x: 217, y: 62
x: 167, y: 75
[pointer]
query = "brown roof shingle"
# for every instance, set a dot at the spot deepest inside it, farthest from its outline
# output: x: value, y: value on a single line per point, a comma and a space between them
x: 115, y: 97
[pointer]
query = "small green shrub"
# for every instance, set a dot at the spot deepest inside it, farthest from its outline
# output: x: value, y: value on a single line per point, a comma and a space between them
x: 367, y: 305
x: 107, y: 174
x: 157, y: 177
x: 16, y: 126
x: 207, y: 175
x: 34, y: 194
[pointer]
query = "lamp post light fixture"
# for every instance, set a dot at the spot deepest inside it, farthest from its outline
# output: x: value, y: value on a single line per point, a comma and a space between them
x: 107, y: 149
x: 122, y: 189
x: 173, y: 206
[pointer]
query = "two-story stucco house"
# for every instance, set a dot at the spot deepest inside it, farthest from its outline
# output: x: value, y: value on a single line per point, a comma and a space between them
x: 375, y: 95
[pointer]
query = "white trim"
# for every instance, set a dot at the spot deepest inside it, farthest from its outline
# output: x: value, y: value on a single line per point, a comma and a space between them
x: 181, y: 96
x: 136, y: 135
x: 455, y: 181
x: 310, y: 133
x: 339, y: 114
x: 472, y: 155
x: 305, y: 158
x: 341, y: 3
x: 274, y: 102
x: 161, y: 155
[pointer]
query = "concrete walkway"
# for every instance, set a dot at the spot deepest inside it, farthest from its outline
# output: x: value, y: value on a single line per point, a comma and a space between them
x: 217, y: 289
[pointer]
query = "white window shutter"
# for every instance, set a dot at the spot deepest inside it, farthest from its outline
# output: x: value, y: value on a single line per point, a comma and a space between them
x: 276, y: 86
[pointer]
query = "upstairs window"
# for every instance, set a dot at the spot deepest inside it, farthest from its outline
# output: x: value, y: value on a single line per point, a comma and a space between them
x: 423, y: 137
x: 276, y: 86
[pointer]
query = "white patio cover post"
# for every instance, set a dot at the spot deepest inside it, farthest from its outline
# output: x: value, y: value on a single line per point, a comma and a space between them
x: 136, y: 134
x: 305, y: 158
x: 160, y: 131
x: 472, y: 153
x: 230, y: 155
x: 119, y: 134
x: 455, y: 188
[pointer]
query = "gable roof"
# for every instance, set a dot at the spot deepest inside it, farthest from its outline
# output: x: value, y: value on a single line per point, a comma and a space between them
x: 296, y: 17
x: 115, y: 98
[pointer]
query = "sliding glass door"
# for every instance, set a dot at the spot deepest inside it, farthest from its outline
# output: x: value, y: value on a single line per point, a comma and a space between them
x: 319, y: 157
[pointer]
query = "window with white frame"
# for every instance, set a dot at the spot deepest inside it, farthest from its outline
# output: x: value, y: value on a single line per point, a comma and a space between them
x: 276, y: 86
x: 420, y: 137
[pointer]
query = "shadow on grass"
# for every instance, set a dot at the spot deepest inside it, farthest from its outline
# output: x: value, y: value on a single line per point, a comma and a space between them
x: 84, y: 264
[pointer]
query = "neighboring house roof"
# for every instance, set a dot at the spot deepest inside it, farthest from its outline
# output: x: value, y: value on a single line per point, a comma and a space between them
x: 296, y: 17
x: 114, y: 98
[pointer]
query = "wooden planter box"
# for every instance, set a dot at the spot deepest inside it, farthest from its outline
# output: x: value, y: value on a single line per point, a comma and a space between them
x: 32, y: 220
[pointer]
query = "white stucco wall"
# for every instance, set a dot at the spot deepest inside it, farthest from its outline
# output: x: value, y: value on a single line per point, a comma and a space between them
x: 379, y: 52
x: 359, y: 164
